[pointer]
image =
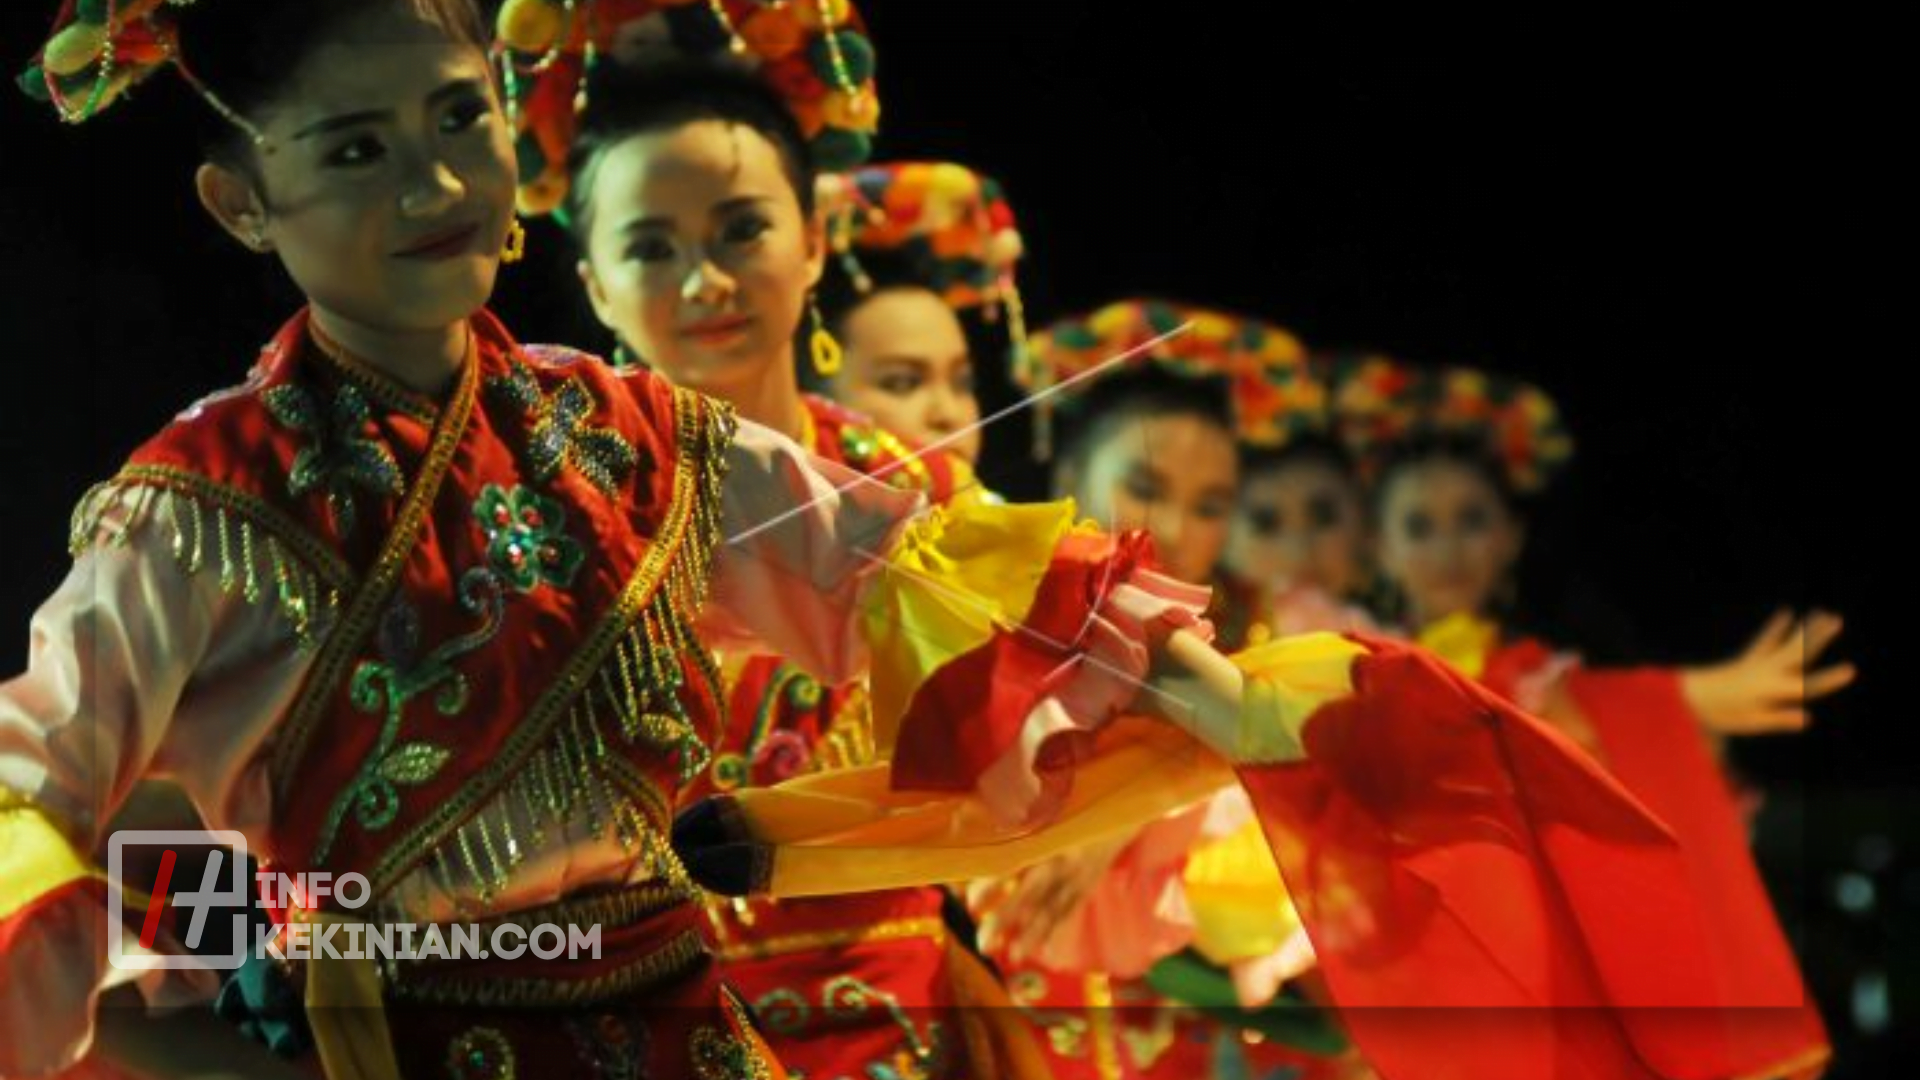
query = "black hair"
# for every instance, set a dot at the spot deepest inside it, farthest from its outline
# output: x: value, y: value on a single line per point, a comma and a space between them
x: 624, y: 101
x: 885, y: 272
x: 1312, y: 449
x: 1469, y: 451
x: 243, y: 54
x: 1144, y: 393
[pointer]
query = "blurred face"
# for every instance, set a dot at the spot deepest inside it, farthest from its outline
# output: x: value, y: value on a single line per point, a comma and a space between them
x: 1174, y: 476
x: 907, y: 366
x: 699, y: 256
x: 387, y: 189
x: 1300, y: 524
x: 1447, y: 538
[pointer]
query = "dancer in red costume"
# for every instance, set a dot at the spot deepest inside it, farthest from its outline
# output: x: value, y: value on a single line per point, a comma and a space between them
x: 693, y: 205
x: 922, y: 245
x: 1455, y: 451
x: 421, y: 603
x: 1147, y: 445
x: 1459, y: 866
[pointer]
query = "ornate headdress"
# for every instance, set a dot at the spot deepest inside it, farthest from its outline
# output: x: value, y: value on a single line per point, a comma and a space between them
x: 814, y: 53
x: 1263, y: 366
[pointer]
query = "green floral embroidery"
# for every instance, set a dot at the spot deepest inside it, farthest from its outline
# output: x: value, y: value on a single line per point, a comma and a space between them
x: 730, y: 771
x: 517, y: 387
x: 610, y: 1048
x: 846, y: 998
x: 526, y: 539
x: 859, y: 444
x: 1067, y: 1035
x: 1147, y: 1045
x: 863, y: 447
x: 481, y: 1053
x: 783, y: 1011
x: 340, y: 456
x: 718, y: 1055
x: 389, y: 684
x: 786, y: 1012
x: 803, y: 692
x: 561, y: 436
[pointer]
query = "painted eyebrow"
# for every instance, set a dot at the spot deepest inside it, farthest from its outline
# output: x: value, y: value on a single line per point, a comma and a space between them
x: 658, y: 222
x: 375, y: 116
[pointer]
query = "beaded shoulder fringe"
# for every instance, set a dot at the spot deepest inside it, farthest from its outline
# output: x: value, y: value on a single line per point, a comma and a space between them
x: 214, y: 534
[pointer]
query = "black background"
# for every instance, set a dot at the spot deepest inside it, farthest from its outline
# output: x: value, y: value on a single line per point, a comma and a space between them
x: 1605, y: 209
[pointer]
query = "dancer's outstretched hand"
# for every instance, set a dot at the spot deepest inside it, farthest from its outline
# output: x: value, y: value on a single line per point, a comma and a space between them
x: 1767, y: 688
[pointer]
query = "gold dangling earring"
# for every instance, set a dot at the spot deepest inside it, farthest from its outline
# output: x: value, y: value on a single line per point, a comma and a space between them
x: 516, y: 246
x: 827, y: 354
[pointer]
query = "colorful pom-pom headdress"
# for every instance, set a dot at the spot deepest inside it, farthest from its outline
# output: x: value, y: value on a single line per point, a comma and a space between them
x: 953, y: 223
x: 952, y: 226
x: 99, y: 49
x: 1371, y: 396
x: 814, y: 53
x: 1270, y: 388
x: 1380, y: 404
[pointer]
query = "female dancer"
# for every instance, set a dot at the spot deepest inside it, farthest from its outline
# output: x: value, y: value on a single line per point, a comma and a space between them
x: 1466, y: 447
x: 922, y: 244
x: 692, y: 201
x: 422, y: 604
